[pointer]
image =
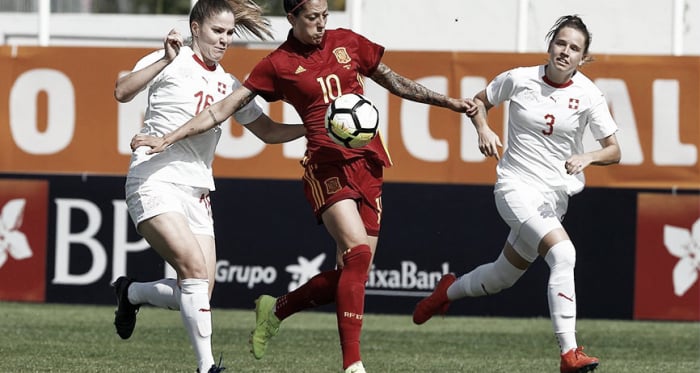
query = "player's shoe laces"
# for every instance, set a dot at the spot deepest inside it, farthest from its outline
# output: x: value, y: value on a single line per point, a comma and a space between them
x: 575, y: 361
x: 356, y: 367
x: 125, y: 314
x: 266, y: 325
x: 436, y: 302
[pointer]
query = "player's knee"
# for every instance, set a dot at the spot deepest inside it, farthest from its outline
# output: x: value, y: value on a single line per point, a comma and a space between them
x: 357, y: 259
x: 498, y: 281
x: 501, y: 275
x: 561, y: 256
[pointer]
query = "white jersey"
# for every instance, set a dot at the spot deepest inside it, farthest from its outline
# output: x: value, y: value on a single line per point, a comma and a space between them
x: 178, y: 93
x: 545, y: 125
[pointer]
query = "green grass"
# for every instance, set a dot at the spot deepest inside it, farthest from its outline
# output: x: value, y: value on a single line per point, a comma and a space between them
x: 69, y: 338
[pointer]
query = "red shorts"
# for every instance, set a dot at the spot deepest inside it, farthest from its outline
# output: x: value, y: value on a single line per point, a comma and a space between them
x: 357, y: 179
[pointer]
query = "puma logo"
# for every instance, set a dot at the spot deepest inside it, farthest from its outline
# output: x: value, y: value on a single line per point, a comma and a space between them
x: 570, y: 299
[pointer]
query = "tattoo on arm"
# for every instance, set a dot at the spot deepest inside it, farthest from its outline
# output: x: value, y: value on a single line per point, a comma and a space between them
x: 407, y: 88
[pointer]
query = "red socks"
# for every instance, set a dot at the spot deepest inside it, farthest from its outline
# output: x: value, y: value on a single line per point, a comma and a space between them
x: 347, y: 288
x: 319, y: 290
x: 350, y: 301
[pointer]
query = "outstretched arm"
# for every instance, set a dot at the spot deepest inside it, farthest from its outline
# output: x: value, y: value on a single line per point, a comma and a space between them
x: 272, y: 132
x: 202, y: 122
x: 410, y: 90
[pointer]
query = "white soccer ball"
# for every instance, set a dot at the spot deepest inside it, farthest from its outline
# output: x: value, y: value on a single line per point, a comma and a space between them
x: 352, y: 120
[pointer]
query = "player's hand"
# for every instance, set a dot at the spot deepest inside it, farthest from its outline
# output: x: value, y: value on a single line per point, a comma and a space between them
x: 172, y: 43
x: 157, y: 144
x: 472, y: 107
x: 489, y: 142
x: 576, y: 163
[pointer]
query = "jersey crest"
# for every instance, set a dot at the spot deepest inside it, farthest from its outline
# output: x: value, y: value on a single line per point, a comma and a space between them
x: 573, y: 103
x: 341, y: 55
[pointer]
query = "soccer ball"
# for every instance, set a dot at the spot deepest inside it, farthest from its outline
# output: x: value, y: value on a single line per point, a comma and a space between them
x: 352, y: 120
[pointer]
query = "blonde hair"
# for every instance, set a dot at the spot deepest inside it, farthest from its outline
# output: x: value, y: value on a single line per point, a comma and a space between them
x: 250, y: 20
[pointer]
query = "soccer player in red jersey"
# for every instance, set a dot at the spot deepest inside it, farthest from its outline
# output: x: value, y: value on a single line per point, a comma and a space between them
x: 344, y: 186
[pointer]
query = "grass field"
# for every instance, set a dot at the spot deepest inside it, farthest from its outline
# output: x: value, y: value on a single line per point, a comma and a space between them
x: 63, y: 338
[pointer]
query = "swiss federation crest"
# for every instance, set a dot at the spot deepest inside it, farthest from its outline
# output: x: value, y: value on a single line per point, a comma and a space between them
x: 341, y: 55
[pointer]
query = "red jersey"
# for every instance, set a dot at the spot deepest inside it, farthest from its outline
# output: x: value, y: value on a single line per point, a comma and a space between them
x: 309, y: 77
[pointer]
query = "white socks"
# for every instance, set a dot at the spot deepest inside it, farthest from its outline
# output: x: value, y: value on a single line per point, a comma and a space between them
x: 561, y: 293
x: 485, y: 279
x: 196, y: 315
x: 163, y: 293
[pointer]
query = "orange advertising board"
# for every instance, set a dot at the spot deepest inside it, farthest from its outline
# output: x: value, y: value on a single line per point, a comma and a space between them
x: 58, y: 115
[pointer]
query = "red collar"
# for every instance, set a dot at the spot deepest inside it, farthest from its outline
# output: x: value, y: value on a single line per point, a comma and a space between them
x: 557, y: 85
x: 204, y: 65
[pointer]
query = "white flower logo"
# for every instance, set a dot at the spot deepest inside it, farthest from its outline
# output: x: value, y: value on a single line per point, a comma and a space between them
x: 686, y: 246
x: 304, y: 270
x: 12, y: 241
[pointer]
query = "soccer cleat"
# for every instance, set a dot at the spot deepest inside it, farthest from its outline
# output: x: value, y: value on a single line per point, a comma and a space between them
x: 575, y: 361
x: 436, y: 302
x: 216, y: 368
x: 266, y: 325
x: 356, y: 367
x: 125, y: 314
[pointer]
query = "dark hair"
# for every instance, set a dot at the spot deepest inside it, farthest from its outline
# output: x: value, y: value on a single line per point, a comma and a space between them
x: 293, y: 6
x: 575, y: 22
x: 247, y: 13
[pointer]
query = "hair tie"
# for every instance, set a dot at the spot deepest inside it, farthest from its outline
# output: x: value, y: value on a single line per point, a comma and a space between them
x: 298, y: 5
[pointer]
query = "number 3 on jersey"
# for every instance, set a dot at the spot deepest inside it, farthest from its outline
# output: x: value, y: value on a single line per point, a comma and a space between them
x: 549, y: 121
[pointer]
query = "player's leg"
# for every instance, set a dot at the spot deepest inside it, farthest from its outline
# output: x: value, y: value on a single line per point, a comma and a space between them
x: 319, y: 290
x: 560, y: 254
x: 163, y: 293
x: 169, y: 234
x: 486, y: 279
x: 345, y: 225
x: 516, y: 204
x: 145, y: 199
x: 270, y: 311
x: 490, y: 278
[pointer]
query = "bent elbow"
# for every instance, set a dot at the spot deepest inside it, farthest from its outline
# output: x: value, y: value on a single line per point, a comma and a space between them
x: 617, y: 156
x: 122, y: 96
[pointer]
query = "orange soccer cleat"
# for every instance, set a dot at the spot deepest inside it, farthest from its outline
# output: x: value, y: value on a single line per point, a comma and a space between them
x: 575, y: 361
x: 436, y: 302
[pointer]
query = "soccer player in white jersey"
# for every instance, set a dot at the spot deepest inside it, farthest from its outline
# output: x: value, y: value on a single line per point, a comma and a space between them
x: 168, y: 193
x: 542, y: 166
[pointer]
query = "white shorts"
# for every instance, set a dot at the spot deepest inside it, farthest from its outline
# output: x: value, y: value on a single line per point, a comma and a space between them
x: 530, y: 214
x: 148, y: 198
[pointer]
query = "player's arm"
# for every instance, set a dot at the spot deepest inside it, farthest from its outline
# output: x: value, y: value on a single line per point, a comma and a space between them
x: 129, y: 85
x: 608, y: 154
x: 489, y: 142
x: 272, y: 132
x: 202, y: 122
x: 410, y: 90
